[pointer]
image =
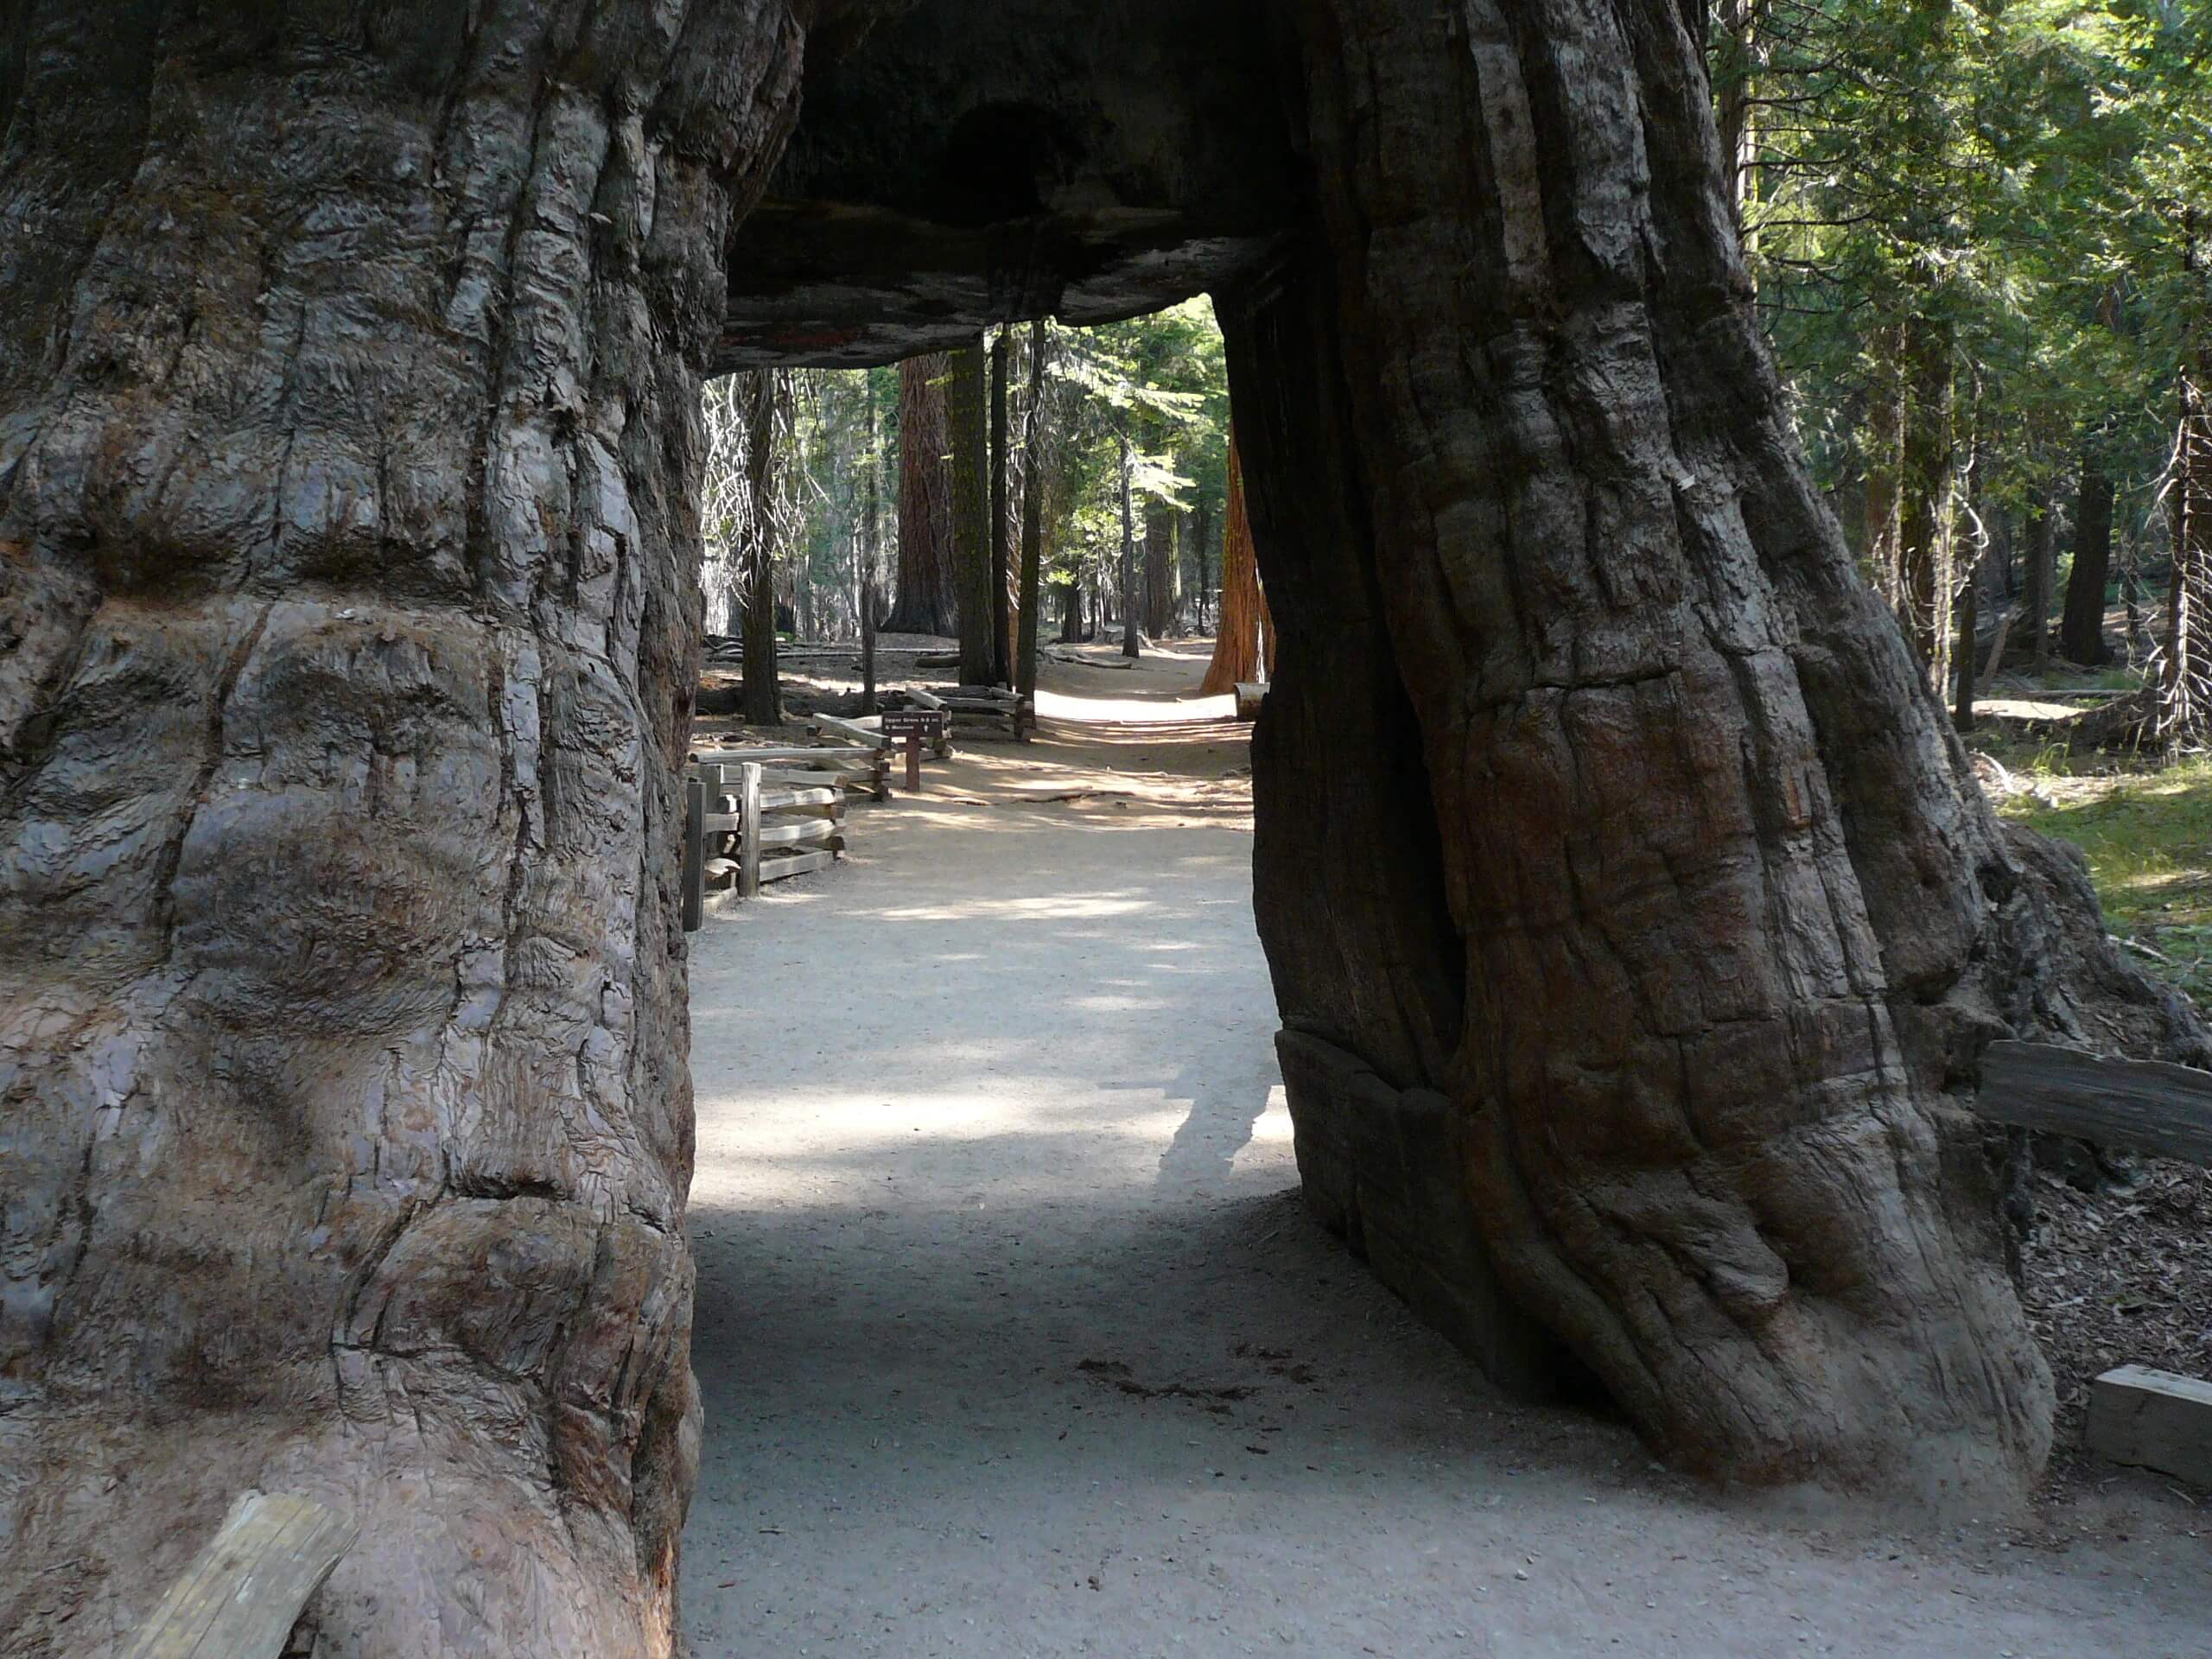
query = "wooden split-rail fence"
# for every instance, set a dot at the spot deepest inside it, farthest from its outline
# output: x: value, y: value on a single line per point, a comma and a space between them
x: 755, y: 816
x: 2149, y: 1419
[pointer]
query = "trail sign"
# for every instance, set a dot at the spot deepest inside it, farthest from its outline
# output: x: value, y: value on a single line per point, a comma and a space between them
x: 914, y: 725
x: 926, y: 724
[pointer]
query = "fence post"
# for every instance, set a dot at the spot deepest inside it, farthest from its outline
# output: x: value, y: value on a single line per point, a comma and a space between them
x: 748, y: 810
x: 695, y: 854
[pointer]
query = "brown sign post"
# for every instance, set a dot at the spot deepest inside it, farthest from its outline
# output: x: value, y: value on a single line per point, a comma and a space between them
x: 915, y: 725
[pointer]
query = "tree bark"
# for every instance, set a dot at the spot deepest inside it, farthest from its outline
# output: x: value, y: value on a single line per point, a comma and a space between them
x: 2042, y: 570
x: 349, y: 468
x: 2185, y: 693
x: 1733, y: 925
x: 1033, y: 517
x: 1926, y: 541
x: 1001, y: 520
x: 764, y: 695
x: 1202, y: 555
x: 928, y: 593
x: 1884, y: 445
x: 1244, y: 620
x: 1964, y: 655
x: 1735, y: 45
x: 2082, y: 629
x: 968, y: 408
x: 1130, y: 598
x: 1161, y: 594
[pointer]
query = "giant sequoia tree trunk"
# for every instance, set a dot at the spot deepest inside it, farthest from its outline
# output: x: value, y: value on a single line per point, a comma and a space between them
x: 1612, y: 862
x: 349, y: 458
x: 968, y: 406
x: 928, y: 598
x: 1730, y: 924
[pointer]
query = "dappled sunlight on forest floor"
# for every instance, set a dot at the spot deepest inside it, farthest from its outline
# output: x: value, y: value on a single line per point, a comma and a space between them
x: 1016, y: 1338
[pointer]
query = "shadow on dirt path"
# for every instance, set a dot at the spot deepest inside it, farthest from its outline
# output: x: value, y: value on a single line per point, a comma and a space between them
x: 1014, y: 1338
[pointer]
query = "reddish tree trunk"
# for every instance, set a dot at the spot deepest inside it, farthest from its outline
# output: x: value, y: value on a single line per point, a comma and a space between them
x: 928, y: 595
x: 1246, y: 627
x: 969, y: 406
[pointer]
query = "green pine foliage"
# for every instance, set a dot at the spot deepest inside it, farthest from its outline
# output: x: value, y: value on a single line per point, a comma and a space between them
x: 2028, y: 174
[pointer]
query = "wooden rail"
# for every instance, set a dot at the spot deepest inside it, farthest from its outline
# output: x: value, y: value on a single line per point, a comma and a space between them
x: 2137, y: 1415
x: 245, y: 1590
x: 745, y: 825
x: 992, y: 706
x: 2144, y: 1106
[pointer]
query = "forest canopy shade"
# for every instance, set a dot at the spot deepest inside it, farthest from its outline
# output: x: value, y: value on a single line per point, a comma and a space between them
x: 350, y: 358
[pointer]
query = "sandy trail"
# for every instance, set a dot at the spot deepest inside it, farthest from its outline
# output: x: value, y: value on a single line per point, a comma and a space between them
x: 1015, y: 1340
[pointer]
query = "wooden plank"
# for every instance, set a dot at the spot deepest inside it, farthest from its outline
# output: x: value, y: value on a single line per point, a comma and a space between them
x: 789, y: 864
x: 833, y: 755
x: 714, y: 776
x: 792, y: 834
x: 782, y: 800
x: 2153, y: 1419
x: 2137, y: 1105
x: 943, y: 748
x: 851, y: 730
x: 695, y: 854
x: 244, y: 1590
x: 748, y: 839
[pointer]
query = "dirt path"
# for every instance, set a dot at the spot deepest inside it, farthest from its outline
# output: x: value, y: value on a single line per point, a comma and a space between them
x: 1015, y: 1340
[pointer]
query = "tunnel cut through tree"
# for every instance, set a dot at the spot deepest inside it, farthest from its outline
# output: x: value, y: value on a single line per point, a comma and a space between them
x: 349, y: 460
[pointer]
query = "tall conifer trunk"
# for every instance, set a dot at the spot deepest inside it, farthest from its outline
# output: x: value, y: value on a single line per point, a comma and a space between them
x: 763, y: 396
x: 2082, y: 629
x: 1731, y: 928
x: 968, y: 408
x: 928, y: 591
x: 350, y: 451
x: 1244, y: 619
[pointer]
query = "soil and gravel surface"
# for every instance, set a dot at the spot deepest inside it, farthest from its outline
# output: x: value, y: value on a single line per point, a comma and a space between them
x: 1015, y: 1339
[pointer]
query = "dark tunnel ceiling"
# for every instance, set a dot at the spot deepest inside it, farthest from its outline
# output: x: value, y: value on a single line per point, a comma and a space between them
x: 965, y: 164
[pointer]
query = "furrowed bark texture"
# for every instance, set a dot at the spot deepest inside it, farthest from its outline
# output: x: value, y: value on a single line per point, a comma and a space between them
x: 1733, y: 924
x: 1350, y: 879
x: 968, y: 411
x: 1244, y: 619
x: 349, y: 449
x: 928, y: 593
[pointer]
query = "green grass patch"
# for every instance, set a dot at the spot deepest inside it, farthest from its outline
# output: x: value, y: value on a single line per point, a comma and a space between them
x: 2148, y: 838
